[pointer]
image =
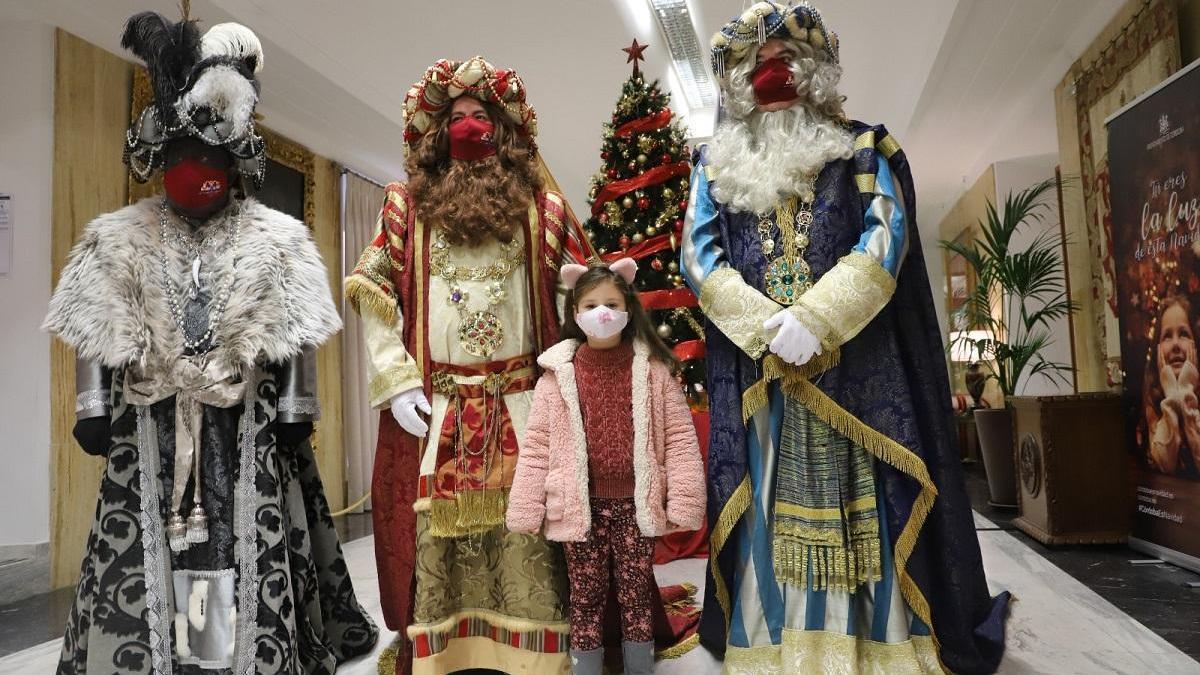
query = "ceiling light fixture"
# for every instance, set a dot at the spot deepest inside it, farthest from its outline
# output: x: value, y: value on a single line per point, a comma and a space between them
x: 691, y: 64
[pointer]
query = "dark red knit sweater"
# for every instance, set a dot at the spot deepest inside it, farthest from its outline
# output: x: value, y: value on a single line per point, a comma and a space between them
x: 604, y: 379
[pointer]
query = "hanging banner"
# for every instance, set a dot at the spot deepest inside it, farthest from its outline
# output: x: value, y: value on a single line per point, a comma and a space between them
x: 1154, y: 165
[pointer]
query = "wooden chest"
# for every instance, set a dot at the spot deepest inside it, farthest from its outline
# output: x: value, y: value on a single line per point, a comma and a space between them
x: 1072, y: 469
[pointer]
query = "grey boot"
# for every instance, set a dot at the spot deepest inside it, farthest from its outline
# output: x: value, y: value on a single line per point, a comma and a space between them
x: 590, y: 662
x: 639, y: 657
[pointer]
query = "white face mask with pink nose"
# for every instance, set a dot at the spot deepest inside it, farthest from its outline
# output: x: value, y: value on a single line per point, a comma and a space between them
x: 602, y: 322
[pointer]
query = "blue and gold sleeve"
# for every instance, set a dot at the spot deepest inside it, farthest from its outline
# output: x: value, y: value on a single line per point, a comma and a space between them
x: 737, y: 309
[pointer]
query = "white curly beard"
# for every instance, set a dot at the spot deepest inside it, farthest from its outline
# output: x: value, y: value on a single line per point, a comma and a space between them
x: 772, y: 155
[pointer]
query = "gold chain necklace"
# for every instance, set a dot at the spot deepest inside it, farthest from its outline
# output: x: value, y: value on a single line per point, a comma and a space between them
x: 480, y: 332
x: 789, y: 275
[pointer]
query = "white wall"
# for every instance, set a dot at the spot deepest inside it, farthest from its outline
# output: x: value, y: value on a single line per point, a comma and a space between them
x: 1014, y: 175
x: 26, y: 158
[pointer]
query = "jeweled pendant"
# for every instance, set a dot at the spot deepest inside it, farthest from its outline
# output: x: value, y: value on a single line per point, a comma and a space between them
x: 481, y: 334
x: 786, y: 279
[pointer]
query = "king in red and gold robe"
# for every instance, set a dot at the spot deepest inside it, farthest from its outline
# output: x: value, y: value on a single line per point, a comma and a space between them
x: 467, y: 592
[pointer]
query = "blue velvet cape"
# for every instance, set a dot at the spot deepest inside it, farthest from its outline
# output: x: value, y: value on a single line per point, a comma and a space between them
x: 891, y: 376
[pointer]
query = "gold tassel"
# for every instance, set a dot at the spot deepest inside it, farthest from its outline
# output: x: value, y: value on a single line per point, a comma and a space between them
x: 470, y: 512
x: 833, y: 567
x: 390, y: 655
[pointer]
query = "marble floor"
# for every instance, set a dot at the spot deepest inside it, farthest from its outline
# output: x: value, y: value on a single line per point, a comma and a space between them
x: 1058, y: 625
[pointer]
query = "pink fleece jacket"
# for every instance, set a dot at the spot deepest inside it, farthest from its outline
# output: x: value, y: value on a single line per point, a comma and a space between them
x: 550, y: 486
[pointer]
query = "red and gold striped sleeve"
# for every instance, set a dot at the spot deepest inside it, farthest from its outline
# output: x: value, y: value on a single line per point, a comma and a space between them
x: 565, y: 238
x: 370, y: 287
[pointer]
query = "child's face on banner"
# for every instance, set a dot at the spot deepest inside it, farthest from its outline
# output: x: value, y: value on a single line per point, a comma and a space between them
x: 1177, y: 344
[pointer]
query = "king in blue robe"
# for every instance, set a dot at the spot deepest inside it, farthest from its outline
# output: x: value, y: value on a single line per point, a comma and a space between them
x: 842, y: 538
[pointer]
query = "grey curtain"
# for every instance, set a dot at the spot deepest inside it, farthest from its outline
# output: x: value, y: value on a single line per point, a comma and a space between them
x: 361, y: 200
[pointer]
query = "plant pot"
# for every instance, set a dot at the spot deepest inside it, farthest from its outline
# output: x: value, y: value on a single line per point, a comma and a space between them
x: 995, y: 428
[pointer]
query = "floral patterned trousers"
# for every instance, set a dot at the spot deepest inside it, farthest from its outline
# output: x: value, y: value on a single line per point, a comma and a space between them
x: 615, y: 549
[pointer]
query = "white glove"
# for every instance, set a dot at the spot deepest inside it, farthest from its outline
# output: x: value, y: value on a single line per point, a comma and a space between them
x: 793, y: 343
x: 404, y: 408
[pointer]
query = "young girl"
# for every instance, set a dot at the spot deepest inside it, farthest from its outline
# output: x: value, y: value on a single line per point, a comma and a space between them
x: 610, y: 459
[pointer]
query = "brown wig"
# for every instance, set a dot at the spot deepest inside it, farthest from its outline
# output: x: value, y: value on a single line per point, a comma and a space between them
x: 474, y: 201
x: 639, y: 326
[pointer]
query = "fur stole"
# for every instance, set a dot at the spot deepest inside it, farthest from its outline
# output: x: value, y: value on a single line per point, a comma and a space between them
x: 110, y: 305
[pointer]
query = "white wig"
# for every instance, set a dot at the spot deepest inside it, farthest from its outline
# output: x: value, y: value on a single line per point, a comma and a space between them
x: 760, y: 157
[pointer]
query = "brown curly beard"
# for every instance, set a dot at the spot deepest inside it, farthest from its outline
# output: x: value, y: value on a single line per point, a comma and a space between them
x: 474, y: 201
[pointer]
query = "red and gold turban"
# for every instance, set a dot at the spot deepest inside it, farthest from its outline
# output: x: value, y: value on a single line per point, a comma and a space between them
x: 446, y: 80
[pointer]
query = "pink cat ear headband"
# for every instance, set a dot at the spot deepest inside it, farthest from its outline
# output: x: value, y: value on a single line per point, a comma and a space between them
x: 569, y: 274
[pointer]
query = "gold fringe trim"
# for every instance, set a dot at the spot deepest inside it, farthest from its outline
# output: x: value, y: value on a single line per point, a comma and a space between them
x: 366, y: 296
x: 734, y: 508
x: 684, y: 646
x: 833, y: 567
x: 774, y: 368
x: 390, y: 656
x: 894, y: 454
x: 468, y: 513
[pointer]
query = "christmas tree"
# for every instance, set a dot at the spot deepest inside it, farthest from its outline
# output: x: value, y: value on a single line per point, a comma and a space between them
x: 638, y: 199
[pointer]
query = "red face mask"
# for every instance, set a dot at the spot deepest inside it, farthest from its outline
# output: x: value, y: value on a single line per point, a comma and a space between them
x: 195, y: 185
x: 471, y: 139
x: 773, y: 83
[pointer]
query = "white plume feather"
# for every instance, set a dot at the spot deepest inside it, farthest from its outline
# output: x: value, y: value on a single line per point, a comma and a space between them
x: 232, y: 39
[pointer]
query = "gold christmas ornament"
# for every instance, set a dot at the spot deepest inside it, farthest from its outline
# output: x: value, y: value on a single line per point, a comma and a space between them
x: 638, y: 238
x: 627, y: 202
x: 664, y: 331
x: 642, y: 158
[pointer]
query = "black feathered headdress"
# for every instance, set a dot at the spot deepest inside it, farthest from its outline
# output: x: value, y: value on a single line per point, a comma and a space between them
x: 205, y: 87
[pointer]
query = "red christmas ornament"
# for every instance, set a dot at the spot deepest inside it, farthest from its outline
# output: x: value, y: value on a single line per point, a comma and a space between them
x: 603, y: 218
x: 612, y: 172
x: 624, y: 241
x: 643, y: 203
x: 682, y: 204
x: 657, y: 265
x: 604, y: 155
x: 679, y: 224
x: 666, y: 158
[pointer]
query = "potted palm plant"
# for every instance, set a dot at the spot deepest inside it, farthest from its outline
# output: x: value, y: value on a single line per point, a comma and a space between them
x: 1008, y: 316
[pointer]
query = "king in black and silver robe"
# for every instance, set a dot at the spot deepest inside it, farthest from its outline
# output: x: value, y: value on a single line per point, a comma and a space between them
x: 266, y: 590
